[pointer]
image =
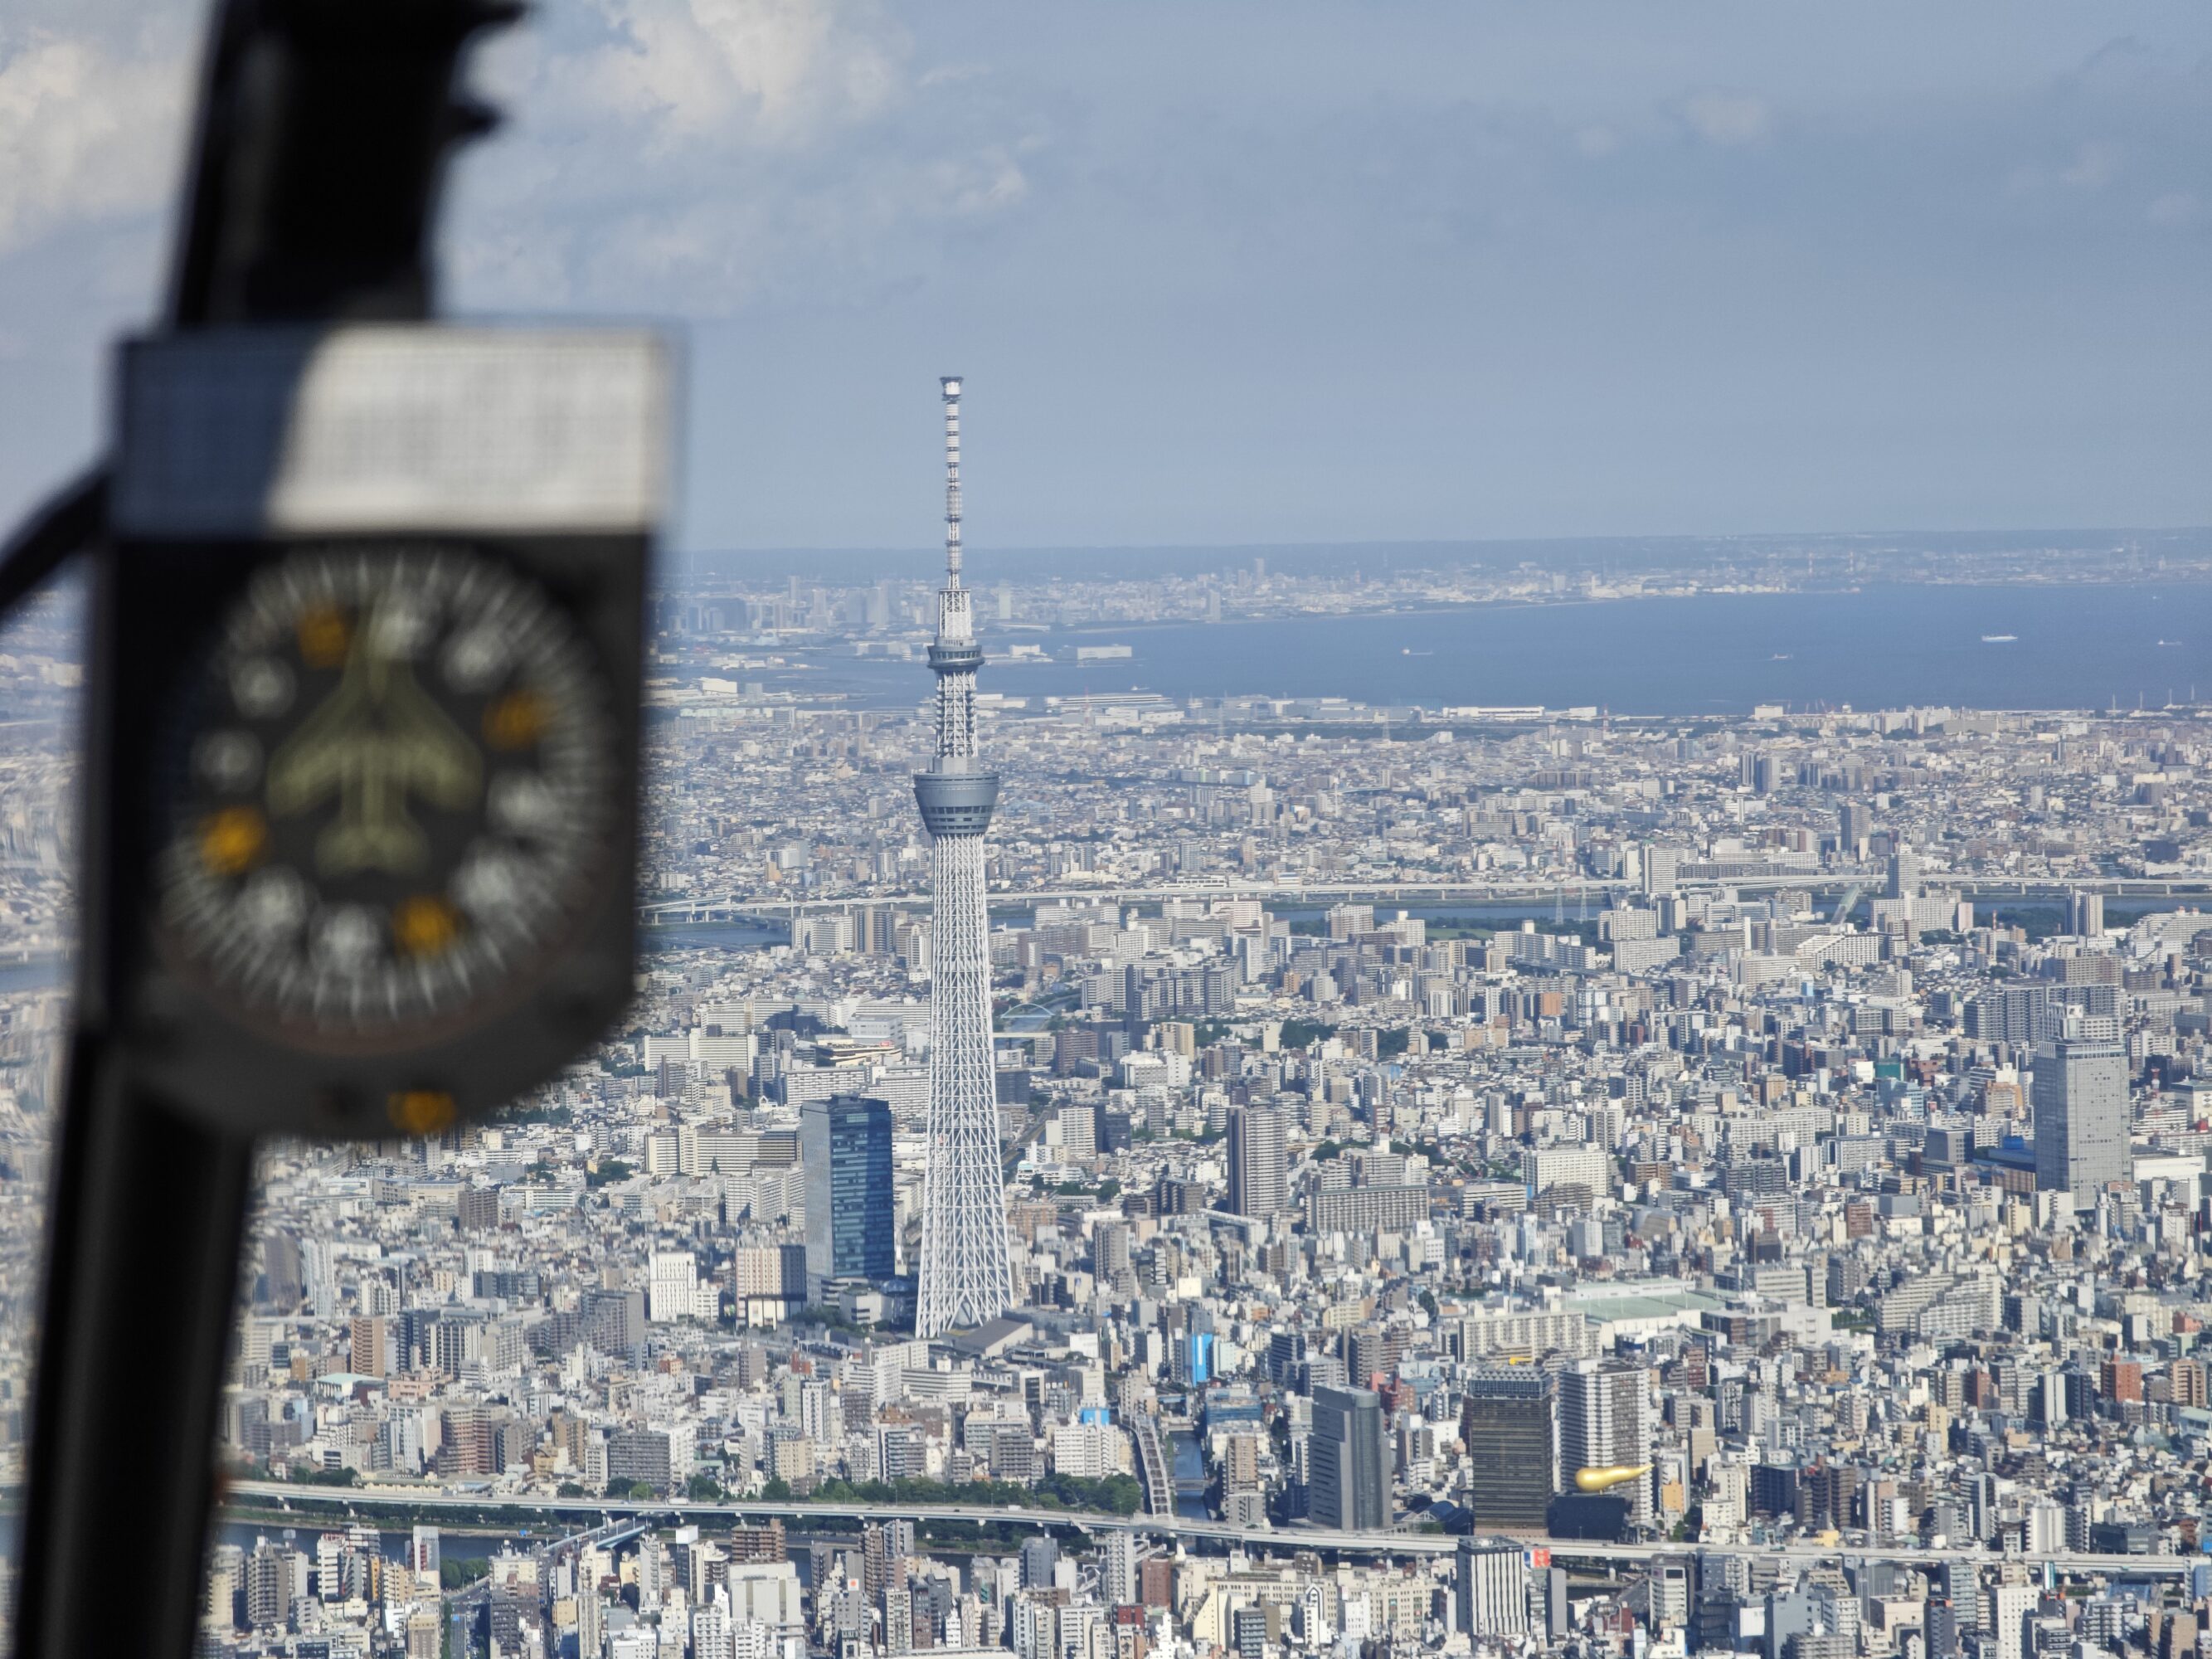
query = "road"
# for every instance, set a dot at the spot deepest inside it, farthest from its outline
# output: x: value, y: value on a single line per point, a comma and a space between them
x: 1168, y: 1527
x: 755, y: 907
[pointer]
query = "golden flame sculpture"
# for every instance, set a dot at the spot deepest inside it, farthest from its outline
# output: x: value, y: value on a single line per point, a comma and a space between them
x: 1604, y: 1480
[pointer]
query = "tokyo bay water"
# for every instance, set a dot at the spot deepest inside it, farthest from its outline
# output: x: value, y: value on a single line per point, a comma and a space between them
x: 2056, y: 646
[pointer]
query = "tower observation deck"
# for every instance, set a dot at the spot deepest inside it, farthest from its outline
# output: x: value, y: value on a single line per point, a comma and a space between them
x: 967, y: 1275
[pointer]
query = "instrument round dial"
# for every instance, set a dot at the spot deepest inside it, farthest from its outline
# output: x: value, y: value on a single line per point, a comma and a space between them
x: 390, y: 794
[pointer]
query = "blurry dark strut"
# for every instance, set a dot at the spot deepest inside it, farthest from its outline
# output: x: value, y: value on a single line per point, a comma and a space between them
x: 323, y: 131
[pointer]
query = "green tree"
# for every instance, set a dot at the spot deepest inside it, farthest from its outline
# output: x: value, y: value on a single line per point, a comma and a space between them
x: 703, y: 1488
x: 643, y: 1491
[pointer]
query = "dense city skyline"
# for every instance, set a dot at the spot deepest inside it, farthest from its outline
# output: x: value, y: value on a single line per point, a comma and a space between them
x: 1774, y: 1142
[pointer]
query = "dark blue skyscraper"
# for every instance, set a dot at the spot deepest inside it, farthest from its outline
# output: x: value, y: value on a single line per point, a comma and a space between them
x: 845, y: 1147
x: 1349, y: 1482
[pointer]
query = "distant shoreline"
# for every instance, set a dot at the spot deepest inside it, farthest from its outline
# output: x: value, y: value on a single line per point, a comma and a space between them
x: 1568, y: 602
x: 2081, y: 648
x: 992, y: 562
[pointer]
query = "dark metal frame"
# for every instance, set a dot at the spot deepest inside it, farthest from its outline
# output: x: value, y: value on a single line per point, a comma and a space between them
x: 323, y: 130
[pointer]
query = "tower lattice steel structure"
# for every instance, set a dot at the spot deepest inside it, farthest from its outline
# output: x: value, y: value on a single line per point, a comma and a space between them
x: 966, y: 1277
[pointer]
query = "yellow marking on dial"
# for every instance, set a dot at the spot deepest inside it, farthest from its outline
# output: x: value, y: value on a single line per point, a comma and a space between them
x: 420, y: 1111
x: 515, y: 720
x: 233, y: 841
x: 325, y: 636
x: 425, y: 925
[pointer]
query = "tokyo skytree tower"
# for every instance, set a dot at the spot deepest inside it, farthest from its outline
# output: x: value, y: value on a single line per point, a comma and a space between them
x: 966, y: 1276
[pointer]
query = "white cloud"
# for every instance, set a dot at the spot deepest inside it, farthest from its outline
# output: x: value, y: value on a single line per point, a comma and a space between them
x: 688, y: 154
x: 697, y: 155
x: 2177, y: 210
x: 2096, y: 164
x: 782, y: 70
x: 843, y: 233
x: 1597, y: 141
x: 88, y: 132
x: 1728, y: 118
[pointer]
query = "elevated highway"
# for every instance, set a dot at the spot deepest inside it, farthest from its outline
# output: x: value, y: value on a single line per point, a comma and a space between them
x: 363, y: 1502
x: 755, y: 907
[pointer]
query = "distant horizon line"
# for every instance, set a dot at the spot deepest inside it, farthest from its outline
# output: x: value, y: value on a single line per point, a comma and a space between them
x: 917, y: 549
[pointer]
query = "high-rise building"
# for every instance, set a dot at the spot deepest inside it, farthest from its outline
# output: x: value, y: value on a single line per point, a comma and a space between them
x: 967, y: 1269
x: 2009, y: 1608
x: 711, y: 1635
x: 1941, y: 1622
x: 1509, y: 1424
x: 1491, y: 1589
x: 2081, y: 1118
x: 1349, y: 1474
x: 1117, y: 1569
x: 476, y: 1209
x: 226, y: 1576
x: 1854, y: 823
x: 2017, y: 1014
x: 896, y: 1608
x: 1259, y: 1162
x: 1156, y: 1582
x: 271, y: 1578
x: 1039, y: 1561
x: 1110, y: 1259
x: 2085, y: 914
x: 852, y: 1227
x: 885, y: 1551
x: 1904, y: 874
x: 1372, y: 1351
x: 1350, y: 920
x: 1605, y: 1422
x: 671, y: 1291
x: 372, y: 1347
x: 282, y: 1262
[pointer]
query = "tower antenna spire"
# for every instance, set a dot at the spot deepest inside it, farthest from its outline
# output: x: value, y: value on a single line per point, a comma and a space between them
x: 949, y: 386
x: 967, y: 1270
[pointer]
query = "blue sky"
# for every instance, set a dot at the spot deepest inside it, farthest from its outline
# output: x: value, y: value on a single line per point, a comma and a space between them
x: 1231, y: 272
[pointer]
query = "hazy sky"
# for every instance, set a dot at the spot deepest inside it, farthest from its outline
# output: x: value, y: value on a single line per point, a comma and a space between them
x: 1280, y: 271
